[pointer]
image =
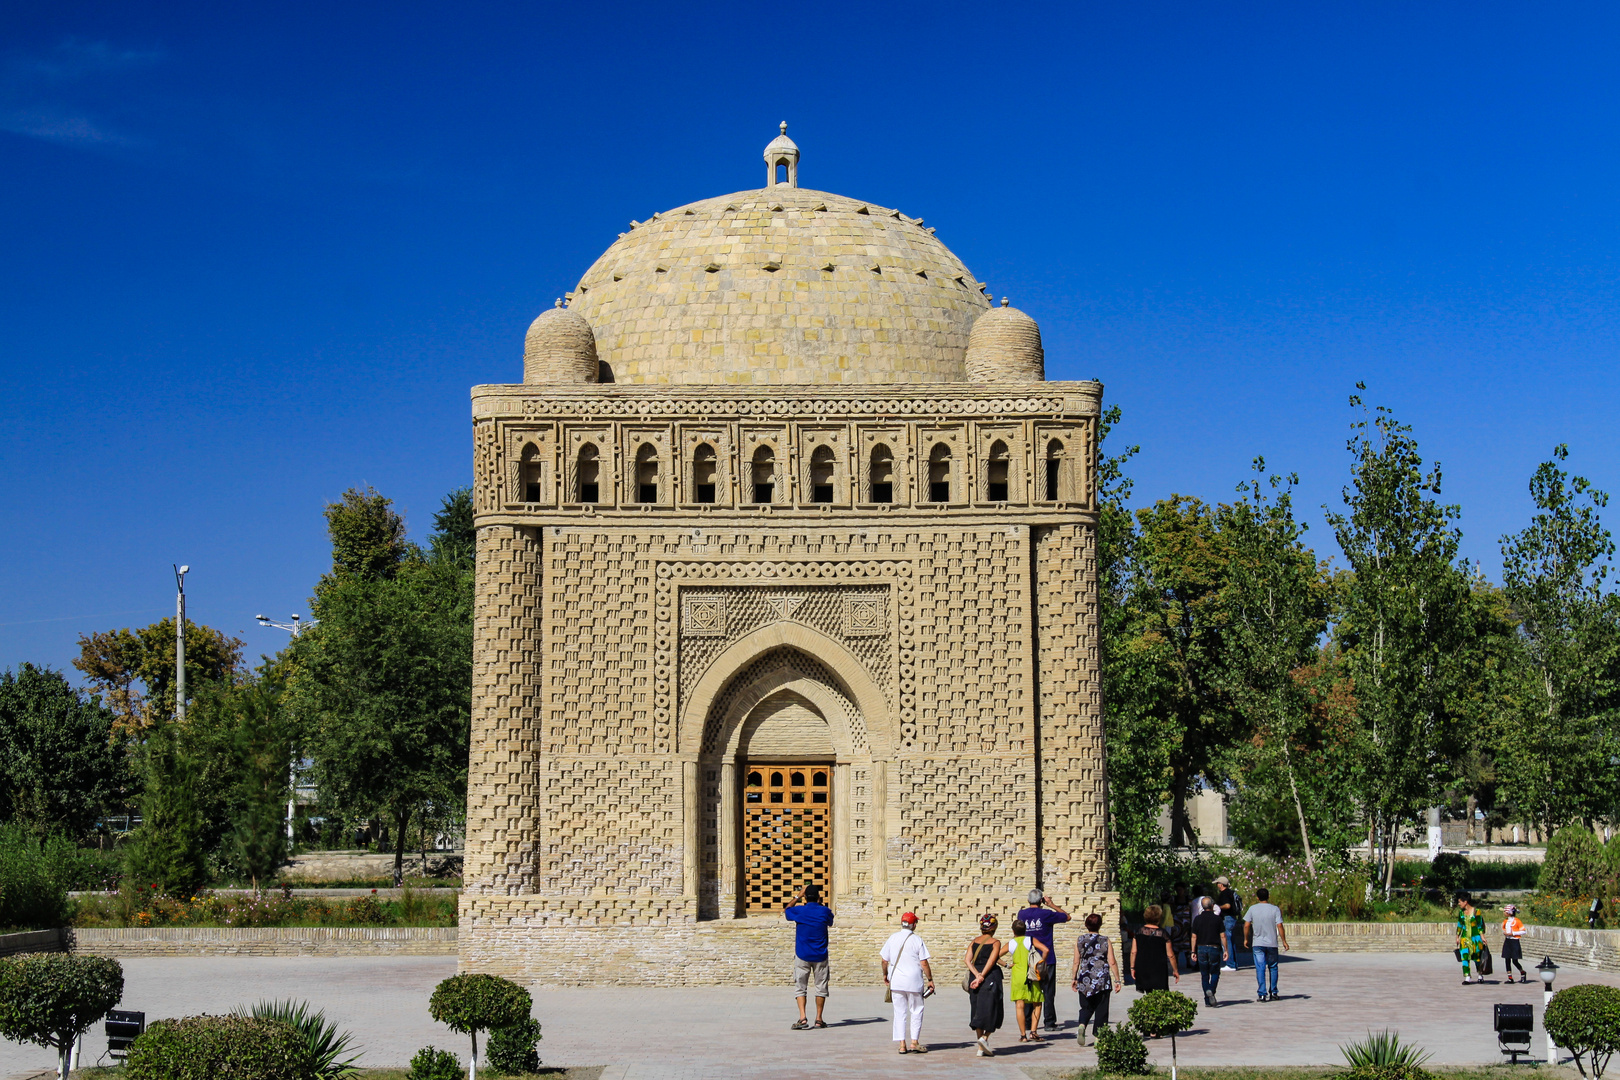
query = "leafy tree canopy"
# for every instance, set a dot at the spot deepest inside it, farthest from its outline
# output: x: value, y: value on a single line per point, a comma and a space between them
x: 59, y: 767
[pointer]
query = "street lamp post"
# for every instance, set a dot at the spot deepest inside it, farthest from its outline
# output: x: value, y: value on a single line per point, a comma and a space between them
x: 180, y: 573
x: 1548, y: 971
x: 294, y: 628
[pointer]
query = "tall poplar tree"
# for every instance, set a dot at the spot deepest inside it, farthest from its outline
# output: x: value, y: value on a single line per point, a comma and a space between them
x: 1559, y: 754
x: 1404, y: 620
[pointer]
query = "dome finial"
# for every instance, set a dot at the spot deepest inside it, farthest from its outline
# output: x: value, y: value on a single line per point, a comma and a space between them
x: 784, y: 155
x: 558, y: 303
x: 1003, y: 301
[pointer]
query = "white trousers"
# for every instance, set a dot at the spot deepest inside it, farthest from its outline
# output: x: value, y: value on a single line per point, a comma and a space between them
x: 908, y: 1010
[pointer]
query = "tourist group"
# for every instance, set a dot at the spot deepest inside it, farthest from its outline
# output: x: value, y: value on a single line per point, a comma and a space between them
x: 1158, y: 954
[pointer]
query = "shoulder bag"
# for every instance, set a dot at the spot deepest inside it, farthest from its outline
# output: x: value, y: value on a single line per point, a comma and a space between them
x: 888, y: 991
x: 1035, y: 969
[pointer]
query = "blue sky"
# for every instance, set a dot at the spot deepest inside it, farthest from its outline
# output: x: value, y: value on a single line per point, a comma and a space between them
x: 251, y: 255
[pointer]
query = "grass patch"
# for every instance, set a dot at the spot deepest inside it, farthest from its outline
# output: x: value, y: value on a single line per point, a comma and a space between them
x: 381, y: 881
x: 1315, y: 1072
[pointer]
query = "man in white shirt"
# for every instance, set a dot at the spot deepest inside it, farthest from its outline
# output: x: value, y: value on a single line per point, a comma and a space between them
x: 909, y: 978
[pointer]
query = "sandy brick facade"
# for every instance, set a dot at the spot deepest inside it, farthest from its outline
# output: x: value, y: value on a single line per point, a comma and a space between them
x: 793, y: 541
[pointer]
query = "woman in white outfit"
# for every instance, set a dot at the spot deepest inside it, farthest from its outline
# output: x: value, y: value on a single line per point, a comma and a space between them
x: 909, y: 979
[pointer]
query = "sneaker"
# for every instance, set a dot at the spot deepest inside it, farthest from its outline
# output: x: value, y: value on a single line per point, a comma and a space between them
x: 1260, y: 997
x: 1229, y: 967
x: 1272, y: 996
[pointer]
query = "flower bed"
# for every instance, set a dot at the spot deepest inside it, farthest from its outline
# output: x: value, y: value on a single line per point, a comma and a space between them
x: 138, y: 908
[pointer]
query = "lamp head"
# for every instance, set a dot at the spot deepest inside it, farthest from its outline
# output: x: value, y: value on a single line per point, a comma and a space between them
x: 1547, y: 970
x: 185, y: 570
x: 262, y: 618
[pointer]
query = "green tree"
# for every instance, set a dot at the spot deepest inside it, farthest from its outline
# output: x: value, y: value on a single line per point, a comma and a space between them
x: 1277, y: 601
x: 59, y: 766
x: 1559, y: 760
x: 170, y: 848
x: 135, y: 669
x: 1402, y: 624
x: 455, y: 537
x: 1138, y: 759
x: 1180, y: 629
x: 1585, y: 1020
x: 51, y: 998
x: 262, y: 748
x: 368, y: 537
x: 387, y: 674
x: 473, y: 1003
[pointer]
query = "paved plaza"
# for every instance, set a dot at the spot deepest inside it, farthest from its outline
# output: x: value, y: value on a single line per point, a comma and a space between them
x: 661, y: 1034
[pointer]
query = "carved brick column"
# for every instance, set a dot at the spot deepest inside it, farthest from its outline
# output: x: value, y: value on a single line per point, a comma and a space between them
x: 1074, y: 811
x: 503, y: 811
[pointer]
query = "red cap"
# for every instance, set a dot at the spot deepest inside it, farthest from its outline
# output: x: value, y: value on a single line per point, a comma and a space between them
x: 910, y: 916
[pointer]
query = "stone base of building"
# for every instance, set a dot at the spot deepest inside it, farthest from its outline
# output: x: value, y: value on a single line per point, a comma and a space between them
x: 616, y: 941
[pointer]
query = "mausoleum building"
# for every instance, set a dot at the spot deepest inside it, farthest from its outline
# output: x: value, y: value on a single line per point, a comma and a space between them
x: 786, y: 575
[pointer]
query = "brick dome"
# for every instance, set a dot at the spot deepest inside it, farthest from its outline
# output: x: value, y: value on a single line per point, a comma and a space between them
x: 780, y: 285
x: 559, y: 348
x: 1005, y: 346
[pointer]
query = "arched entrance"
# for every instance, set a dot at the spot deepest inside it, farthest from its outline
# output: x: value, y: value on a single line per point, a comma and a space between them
x: 782, y: 741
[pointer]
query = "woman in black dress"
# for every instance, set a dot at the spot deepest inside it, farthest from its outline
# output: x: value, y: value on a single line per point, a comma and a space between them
x: 985, y: 1008
x: 1153, y: 960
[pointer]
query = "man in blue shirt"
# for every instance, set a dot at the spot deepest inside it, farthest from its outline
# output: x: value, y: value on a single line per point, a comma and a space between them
x: 810, y: 921
x: 1040, y: 917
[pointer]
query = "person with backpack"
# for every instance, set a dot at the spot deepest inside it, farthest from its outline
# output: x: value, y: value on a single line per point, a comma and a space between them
x: 1230, y: 906
x: 1030, y: 958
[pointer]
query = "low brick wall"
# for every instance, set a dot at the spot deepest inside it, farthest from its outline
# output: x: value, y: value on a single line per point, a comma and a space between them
x: 1584, y: 948
x: 1334, y: 937
x: 269, y: 941
x: 35, y: 941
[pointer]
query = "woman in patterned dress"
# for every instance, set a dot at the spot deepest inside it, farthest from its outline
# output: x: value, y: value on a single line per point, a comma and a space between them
x: 1470, y: 938
x: 1096, y: 972
x: 1026, y: 995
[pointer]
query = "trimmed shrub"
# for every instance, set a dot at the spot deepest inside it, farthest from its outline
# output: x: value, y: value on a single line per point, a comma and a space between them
x: 50, y: 998
x: 1163, y: 1012
x: 433, y: 1064
x: 1585, y: 1020
x: 511, y: 1049
x: 1388, y: 1072
x: 1449, y: 873
x: 473, y: 1003
x: 1574, y: 865
x: 1121, y: 1052
x: 210, y: 1047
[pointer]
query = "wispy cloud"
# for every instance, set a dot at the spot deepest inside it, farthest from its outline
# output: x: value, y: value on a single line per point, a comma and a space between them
x: 61, y: 95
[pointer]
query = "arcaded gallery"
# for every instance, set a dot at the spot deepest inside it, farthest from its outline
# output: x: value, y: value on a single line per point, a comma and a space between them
x: 786, y: 575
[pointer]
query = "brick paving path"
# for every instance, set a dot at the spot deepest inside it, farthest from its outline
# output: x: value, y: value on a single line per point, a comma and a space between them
x: 662, y: 1034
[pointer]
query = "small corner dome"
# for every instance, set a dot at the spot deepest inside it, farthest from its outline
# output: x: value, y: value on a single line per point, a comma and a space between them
x: 1005, y: 346
x: 560, y: 348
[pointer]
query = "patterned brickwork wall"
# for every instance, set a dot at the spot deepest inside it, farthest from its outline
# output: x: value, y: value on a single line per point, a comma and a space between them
x: 1073, y: 790
x: 503, y: 823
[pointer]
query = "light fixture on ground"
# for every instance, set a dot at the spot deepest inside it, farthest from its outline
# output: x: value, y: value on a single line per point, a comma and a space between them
x: 1548, y: 971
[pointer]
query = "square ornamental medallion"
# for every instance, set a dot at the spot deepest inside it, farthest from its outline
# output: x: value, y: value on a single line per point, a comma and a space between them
x: 703, y: 616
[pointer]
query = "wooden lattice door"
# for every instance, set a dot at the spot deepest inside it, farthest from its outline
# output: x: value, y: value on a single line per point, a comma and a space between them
x: 787, y: 833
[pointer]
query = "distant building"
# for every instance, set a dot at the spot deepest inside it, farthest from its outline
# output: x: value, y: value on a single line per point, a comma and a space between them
x: 786, y: 574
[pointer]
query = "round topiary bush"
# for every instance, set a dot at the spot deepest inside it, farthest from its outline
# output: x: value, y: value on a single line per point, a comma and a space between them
x: 1448, y: 873
x: 1574, y: 865
x: 511, y: 1049
x: 1585, y: 1020
x: 431, y: 1063
x: 50, y: 998
x: 474, y: 1003
x: 210, y: 1047
x: 1121, y: 1052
